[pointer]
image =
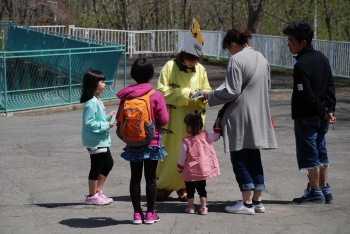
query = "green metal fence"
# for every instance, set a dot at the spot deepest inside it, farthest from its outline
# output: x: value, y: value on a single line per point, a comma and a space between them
x: 41, y: 69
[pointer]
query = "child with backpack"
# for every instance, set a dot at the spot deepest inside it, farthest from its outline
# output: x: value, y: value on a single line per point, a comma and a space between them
x: 141, y: 113
x: 95, y: 135
x: 197, y: 161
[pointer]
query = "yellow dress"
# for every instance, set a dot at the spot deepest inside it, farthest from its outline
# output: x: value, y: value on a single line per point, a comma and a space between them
x: 176, y: 85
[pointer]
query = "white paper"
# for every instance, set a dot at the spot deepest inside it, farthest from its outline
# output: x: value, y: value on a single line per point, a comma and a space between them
x: 196, y: 95
x: 113, y: 117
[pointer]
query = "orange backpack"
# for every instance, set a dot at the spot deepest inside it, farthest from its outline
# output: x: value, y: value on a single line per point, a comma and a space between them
x: 134, y: 125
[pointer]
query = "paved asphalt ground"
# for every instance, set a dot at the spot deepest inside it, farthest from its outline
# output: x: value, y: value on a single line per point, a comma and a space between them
x: 44, y: 169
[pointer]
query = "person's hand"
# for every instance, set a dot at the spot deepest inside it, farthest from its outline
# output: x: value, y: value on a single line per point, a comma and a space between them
x: 180, y: 171
x: 191, y: 93
x: 205, y: 95
x: 111, y: 124
x: 331, y: 118
x: 112, y: 113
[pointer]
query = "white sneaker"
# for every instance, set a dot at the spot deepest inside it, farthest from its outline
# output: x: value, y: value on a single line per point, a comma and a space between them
x: 239, y: 208
x: 259, y: 208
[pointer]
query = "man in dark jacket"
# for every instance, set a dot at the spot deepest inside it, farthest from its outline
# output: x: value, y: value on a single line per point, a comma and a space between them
x: 313, y: 106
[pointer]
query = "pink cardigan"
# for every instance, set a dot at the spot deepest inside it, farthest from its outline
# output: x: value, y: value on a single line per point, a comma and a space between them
x: 197, y: 159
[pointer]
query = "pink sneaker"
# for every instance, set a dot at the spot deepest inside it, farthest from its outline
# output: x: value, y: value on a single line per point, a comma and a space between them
x: 203, y: 211
x: 138, y: 218
x: 190, y: 210
x: 151, y: 218
x: 95, y: 200
x: 102, y: 195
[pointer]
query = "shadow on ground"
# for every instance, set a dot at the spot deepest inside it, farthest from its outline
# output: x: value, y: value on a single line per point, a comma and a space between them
x: 96, y: 222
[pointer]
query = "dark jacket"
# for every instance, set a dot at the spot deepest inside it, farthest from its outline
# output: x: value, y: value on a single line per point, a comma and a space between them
x: 313, y: 89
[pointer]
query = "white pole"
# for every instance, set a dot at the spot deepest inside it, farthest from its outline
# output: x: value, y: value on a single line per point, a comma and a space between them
x: 315, y: 21
x: 55, y: 7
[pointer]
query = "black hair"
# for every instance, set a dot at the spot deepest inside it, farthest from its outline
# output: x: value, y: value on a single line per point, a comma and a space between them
x: 142, y: 70
x: 90, y: 82
x: 300, y: 30
x: 195, y: 121
x: 236, y: 35
x: 179, y: 59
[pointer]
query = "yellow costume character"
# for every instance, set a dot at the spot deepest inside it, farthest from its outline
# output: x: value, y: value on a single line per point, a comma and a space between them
x: 179, y: 79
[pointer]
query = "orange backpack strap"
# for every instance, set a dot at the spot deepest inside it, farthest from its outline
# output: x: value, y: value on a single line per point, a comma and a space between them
x: 150, y: 93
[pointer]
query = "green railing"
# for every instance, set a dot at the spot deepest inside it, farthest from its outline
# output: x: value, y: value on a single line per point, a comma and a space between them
x: 40, y: 69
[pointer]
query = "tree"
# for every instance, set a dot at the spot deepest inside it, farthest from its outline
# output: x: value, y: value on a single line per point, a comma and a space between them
x: 33, y: 12
x: 255, y: 14
x: 259, y: 16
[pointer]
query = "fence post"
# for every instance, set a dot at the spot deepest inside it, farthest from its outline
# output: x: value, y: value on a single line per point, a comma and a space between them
x: 266, y: 46
x: 177, y: 39
x: 70, y: 76
x: 331, y: 51
x: 153, y: 41
x: 131, y: 44
x: 3, y: 64
x: 86, y: 33
x: 218, y: 46
x: 124, y: 67
x: 71, y: 30
x: 3, y: 39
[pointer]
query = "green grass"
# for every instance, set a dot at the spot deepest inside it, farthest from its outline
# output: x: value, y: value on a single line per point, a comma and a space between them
x: 342, y: 80
x: 281, y: 71
x: 214, y: 61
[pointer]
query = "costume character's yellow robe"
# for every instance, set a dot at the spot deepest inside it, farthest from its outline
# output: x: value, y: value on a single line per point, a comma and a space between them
x: 176, y: 86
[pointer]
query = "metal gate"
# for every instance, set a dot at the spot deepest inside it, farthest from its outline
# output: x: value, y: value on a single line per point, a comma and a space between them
x: 153, y: 42
x: 141, y: 42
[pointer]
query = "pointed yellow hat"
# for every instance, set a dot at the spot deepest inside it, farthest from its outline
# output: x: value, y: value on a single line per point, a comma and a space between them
x: 194, y: 41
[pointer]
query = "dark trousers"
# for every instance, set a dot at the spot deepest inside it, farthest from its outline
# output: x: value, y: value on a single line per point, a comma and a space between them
x: 192, y: 186
x: 101, y: 163
x: 151, y: 184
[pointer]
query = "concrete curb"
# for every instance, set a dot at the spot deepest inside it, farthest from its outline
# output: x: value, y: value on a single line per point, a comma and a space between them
x: 56, y: 109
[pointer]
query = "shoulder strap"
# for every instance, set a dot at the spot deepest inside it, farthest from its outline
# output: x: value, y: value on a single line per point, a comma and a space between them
x: 149, y: 107
x: 150, y: 93
x: 250, y: 78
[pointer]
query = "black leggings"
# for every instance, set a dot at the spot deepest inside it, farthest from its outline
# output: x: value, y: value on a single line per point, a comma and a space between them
x: 101, y: 163
x: 193, y: 185
x: 151, y: 184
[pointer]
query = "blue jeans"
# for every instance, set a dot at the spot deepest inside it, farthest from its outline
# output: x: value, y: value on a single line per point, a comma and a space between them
x: 248, y: 169
x: 310, y: 140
